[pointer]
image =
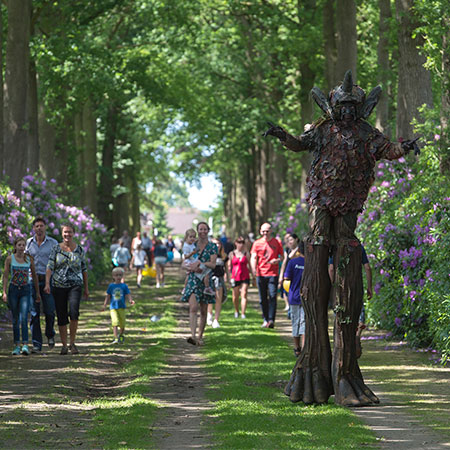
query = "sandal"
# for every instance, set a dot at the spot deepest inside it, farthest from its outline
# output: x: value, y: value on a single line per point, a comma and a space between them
x: 192, y: 341
x: 297, y: 351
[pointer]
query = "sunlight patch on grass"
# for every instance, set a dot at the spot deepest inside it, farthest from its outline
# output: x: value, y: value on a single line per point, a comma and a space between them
x: 250, y: 409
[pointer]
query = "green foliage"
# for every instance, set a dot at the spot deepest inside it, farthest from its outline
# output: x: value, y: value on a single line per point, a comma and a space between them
x: 405, y: 229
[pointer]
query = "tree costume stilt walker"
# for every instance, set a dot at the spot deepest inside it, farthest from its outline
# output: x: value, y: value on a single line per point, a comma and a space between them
x: 345, y: 148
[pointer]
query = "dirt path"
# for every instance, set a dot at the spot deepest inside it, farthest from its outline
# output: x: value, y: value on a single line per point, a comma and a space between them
x: 42, y: 396
x: 393, y: 425
x: 180, y: 389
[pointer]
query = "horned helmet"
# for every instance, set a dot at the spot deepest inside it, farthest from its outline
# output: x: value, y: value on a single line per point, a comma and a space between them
x: 347, y: 98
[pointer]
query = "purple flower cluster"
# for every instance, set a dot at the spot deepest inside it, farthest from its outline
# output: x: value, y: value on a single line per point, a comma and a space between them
x: 406, y: 226
x: 410, y: 257
x: 37, y: 199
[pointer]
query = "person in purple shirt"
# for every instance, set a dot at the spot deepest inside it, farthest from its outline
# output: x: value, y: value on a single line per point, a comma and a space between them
x: 39, y: 247
x: 292, y: 280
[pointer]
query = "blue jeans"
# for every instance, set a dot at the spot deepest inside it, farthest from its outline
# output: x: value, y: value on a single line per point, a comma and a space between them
x: 48, y: 306
x: 19, y: 302
x: 267, y: 287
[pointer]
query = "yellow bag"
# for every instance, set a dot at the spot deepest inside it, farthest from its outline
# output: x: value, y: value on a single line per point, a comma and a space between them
x: 149, y: 272
x: 286, y: 285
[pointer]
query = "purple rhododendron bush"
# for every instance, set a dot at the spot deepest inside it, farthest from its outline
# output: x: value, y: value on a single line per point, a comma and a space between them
x: 405, y: 228
x: 38, y: 198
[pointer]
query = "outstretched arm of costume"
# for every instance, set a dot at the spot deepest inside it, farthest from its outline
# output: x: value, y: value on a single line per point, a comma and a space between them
x: 394, y: 151
x: 296, y: 144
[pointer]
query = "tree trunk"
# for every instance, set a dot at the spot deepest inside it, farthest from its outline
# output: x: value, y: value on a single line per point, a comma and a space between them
x: 121, y: 210
x: 382, y: 120
x: 251, y: 197
x: 62, y: 146
x: 445, y: 109
x: 414, y: 81
x: 78, y: 135
x: 47, y: 137
x: 16, y: 85
x: 275, y: 181
x: 346, y: 38
x: 90, y: 156
x: 1, y: 96
x: 33, y: 134
x: 105, y: 194
x: 261, y: 182
x: 134, y: 201
x: 329, y: 38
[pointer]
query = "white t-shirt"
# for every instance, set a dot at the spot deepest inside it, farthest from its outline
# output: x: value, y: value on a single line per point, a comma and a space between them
x: 189, y: 248
x: 139, y: 258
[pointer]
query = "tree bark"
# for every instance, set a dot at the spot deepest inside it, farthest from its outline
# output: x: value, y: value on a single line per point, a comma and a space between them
x: 16, y: 86
x: 121, y: 210
x: 105, y: 194
x: 414, y: 81
x: 261, y: 182
x: 90, y: 156
x: 134, y: 201
x: 33, y: 135
x: 329, y: 38
x: 346, y: 38
x: 1, y: 96
x: 63, y: 143
x: 382, y: 120
x: 80, y: 152
x: 47, y: 137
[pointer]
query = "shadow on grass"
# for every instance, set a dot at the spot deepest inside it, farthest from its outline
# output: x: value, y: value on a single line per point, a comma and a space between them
x: 54, y: 396
x: 251, y: 411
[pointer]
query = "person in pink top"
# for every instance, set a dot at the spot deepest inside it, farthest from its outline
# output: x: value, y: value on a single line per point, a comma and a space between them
x: 239, y: 267
x: 266, y: 255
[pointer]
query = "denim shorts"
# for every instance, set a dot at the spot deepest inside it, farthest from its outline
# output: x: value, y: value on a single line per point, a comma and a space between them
x: 298, y: 320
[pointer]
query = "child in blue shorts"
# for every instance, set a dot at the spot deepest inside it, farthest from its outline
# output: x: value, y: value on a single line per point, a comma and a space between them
x: 117, y: 295
x: 292, y: 279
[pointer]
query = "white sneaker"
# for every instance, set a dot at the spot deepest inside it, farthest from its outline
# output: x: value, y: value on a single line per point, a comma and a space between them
x: 209, y: 319
x: 215, y: 324
x: 242, y: 316
x: 236, y: 315
x: 158, y: 285
x: 264, y: 324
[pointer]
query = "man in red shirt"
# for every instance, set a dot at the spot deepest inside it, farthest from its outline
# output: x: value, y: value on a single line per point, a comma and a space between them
x: 266, y: 255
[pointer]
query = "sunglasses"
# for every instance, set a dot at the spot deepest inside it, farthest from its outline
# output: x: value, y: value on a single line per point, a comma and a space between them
x: 240, y: 242
x: 265, y: 231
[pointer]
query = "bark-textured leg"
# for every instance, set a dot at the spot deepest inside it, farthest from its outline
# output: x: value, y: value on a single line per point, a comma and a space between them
x: 310, y: 381
x: 349, y: 386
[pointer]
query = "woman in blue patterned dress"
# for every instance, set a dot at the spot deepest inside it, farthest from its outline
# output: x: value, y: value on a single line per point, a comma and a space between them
x: 194, y: 291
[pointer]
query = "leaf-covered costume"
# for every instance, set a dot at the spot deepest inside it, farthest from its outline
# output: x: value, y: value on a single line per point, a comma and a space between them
x: 342, y: 169
x: 194, y: 284
x: 344, y: 148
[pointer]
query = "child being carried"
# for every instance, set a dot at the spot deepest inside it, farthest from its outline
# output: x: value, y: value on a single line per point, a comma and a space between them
x: 191, y: 261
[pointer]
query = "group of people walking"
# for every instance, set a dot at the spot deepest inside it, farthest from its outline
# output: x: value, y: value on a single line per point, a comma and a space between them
x: 58, y: 281
x: 208, y: 266
x: 135, y: 253
x: 42, y: 274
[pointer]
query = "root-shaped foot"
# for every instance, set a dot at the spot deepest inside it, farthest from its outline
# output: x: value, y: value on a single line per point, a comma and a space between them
x: 351, y: 391
x: 308, y: 385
